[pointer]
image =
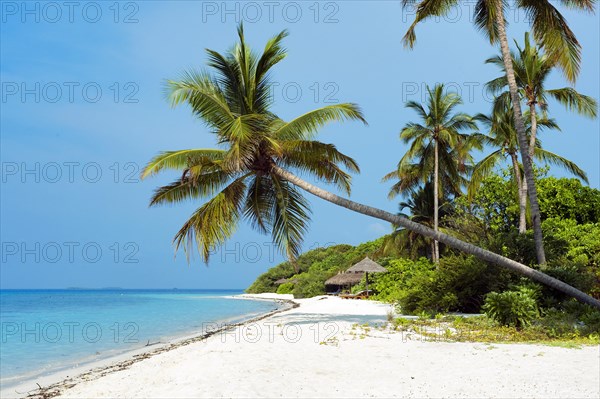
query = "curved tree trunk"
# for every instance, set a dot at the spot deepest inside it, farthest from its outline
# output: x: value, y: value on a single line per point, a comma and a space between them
x: 453, y: 242
x: 522, y: 135
x: 522, y: 194
x: 436, y: 195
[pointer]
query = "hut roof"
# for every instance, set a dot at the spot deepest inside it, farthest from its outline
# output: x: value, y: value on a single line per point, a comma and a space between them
x: 345, y: 279
x: 367, y: 265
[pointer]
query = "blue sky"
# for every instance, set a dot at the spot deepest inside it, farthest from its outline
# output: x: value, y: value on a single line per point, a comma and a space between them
x: 83, y: 110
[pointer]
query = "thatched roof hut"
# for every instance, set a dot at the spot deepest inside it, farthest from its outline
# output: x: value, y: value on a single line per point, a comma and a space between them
x: 367, y: 266
x: 343, y: 279
x: 355, y: 274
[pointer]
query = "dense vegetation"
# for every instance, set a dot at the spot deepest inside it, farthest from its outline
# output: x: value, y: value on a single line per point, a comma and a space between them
x: 464, y: 283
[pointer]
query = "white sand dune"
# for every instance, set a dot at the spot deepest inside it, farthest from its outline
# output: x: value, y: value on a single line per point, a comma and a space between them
x: 314, y: 351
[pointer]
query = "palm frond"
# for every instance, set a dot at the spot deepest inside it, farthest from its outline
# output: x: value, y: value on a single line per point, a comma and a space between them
x: 228, y: 76
x: 190, y: 187
x: 272, y: 54
x: 552, y: 31
x: 305, y: 126
x: 181, y: 160
x: 291, y: 216
x: 575, y: 101
x: 320, y: 160
x: 260, y: 203
x: 425, y: 9
x: 214, y: 222
x: 203, y: 95
x: 482, y: 170
x: 555, y: 159
x: 485, y: 19
x: 582, y: 5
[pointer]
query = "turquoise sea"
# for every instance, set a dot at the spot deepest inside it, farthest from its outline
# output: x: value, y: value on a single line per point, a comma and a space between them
x: 46, y: 331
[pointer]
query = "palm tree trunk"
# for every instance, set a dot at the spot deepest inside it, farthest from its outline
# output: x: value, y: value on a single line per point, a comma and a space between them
x: 436, y: 194
x: 532, y: 138
x: 432, y: 249
x: 524, y: 199
x: 522, y: 195
x: 533, y: 135
x: 453, y: 242
x: 522, y: 135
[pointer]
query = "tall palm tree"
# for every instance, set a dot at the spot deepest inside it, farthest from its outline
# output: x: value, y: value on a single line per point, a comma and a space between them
x: 550, y: 29
x: 439, y: 136
x: 532, y: 68
x: 502, y: 135
x: 251, y: 176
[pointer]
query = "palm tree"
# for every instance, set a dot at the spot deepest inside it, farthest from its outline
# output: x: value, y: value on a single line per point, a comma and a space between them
x: 420, y: 207
x: 438, y: 137
x: 503, y: 136
x: 251, y: 178
x: 532, y: 68
x: 550, y: 29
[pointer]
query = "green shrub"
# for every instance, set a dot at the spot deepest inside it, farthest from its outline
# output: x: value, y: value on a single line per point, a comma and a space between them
x: 310, y: 284
x: 512, y: 308
x: 285, y: 288
x: 591, y: 321
x: 459, y: 283
x: 392, y: 285
x: 564, y: 198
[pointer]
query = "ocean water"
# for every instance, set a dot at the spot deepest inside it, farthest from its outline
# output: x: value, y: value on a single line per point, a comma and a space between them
x: 45, y: 331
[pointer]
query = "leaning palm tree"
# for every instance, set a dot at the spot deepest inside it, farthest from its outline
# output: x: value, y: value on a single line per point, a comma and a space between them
x: 551, y: 31
x: 532, y: 68
x: 439, y: 134
x: 503, y: 136
x: 251, y: 177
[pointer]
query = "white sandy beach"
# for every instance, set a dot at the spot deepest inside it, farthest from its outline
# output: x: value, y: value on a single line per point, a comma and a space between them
x: 316, y: 350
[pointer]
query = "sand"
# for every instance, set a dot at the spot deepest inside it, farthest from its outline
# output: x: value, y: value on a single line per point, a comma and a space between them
x: 321, y: 349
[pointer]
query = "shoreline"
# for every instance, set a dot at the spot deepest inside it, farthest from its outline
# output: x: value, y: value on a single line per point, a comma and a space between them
x: 332, y: 347
x: 52, y: 384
